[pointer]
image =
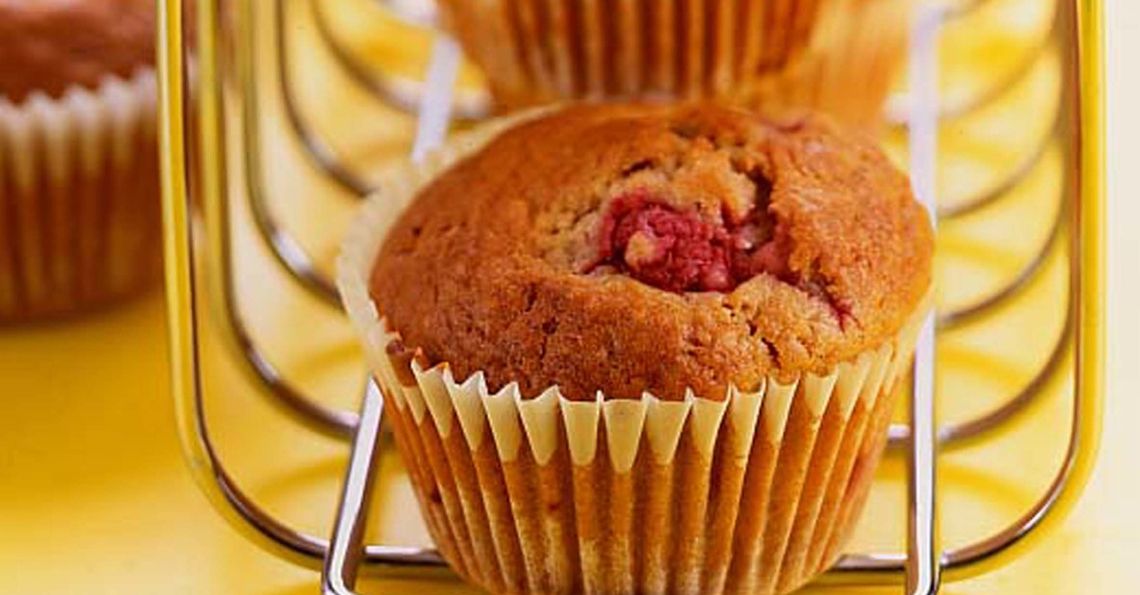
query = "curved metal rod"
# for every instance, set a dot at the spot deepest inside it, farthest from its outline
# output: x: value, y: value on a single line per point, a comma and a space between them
x: 289, y: 253
x: 329, y: 421
x: 298, y: 546
x: 965, y: 433
x: 182, y: 306
x: 1008, y: 183
x: 401, y: 93
x: 1085, y: 310
x: 960, y: 435
x: 286, y: 251
x: 306, y: 549
x: 320, y: 153
x: 983, y: 306
x: 963, y: 562
x: 897, y: 107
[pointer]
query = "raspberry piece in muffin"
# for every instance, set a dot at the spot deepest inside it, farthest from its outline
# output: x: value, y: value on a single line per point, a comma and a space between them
x: 633, y: 248
x: 605, y: 252
x: 677, y: 251
x: 660, y: 246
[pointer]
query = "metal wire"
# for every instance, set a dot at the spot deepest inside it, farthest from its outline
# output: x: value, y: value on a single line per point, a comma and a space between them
x: 988, y: 304
x: 400, y: 93
x: 320, y: 153
x: 287, y: 251
x: 1086, y: 335
x: 338, y: 576
x: 294, y: 259
x: 327, y: 420
x: 954, y: 436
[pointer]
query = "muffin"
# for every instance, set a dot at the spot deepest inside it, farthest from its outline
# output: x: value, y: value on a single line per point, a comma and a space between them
x: 839, y: 56
x: 633, y: 348
x: 79, y: 206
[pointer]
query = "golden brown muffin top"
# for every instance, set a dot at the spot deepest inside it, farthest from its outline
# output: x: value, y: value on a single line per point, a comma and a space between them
x: 631, y: 248
x: 49, y: 45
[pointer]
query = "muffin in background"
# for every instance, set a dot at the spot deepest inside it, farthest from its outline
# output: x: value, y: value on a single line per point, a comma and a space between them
x: 633, y: 348
x: 837, y: 56
x: 79, y: 188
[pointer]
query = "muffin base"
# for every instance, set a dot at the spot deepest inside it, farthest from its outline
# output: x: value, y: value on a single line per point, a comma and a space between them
x: 79, y: 208
x: 752, y: 493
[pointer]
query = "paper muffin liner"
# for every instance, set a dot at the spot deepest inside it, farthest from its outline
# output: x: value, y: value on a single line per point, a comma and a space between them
x: 835, y: 55
x: 844, y: 60
x: 755, y: 492
x: 79, y: 205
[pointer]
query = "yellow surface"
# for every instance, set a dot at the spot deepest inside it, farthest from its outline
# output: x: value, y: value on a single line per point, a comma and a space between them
x: 94, y: 497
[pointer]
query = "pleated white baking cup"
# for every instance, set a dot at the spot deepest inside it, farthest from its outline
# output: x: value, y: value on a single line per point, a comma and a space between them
x: 79, y: 198
x: 753, y: 492
x: 489, y: 31
x: 838, y: 56
x: 843, y: 59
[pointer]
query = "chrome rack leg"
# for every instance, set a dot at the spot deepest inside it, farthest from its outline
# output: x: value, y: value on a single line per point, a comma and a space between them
x: 924, y: 555
x: 338, y: 576
x: 347, y: 554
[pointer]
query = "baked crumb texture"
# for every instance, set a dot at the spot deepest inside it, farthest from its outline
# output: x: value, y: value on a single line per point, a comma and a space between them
x: 51, y: 45
x: 634, y: 248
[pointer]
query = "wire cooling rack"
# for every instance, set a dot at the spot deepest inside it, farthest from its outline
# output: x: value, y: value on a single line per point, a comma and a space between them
x: 200, y: 260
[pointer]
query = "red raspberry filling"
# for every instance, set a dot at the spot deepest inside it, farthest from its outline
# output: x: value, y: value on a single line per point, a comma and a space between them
x: 678, y: 251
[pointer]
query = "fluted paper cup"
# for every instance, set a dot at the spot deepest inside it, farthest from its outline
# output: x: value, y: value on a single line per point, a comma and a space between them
x: 751, y: 491
x: 838, y: 56
x: 79, y: 206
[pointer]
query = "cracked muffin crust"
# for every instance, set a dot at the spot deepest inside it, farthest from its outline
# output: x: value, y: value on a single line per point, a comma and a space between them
x: 631, y: 248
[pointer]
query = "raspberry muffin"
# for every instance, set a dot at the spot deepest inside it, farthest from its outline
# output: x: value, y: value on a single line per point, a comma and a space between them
x: 636, y: 348
x: 79, y: 207
x: 839, y: 56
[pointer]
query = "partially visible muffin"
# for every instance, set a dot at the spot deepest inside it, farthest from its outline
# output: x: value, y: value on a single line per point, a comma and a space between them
x: 635, y: 348
x: 837, y: 56
x: 78, y: 155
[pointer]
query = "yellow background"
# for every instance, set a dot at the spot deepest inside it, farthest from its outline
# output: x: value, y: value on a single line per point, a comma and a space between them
x: 94, y: 497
